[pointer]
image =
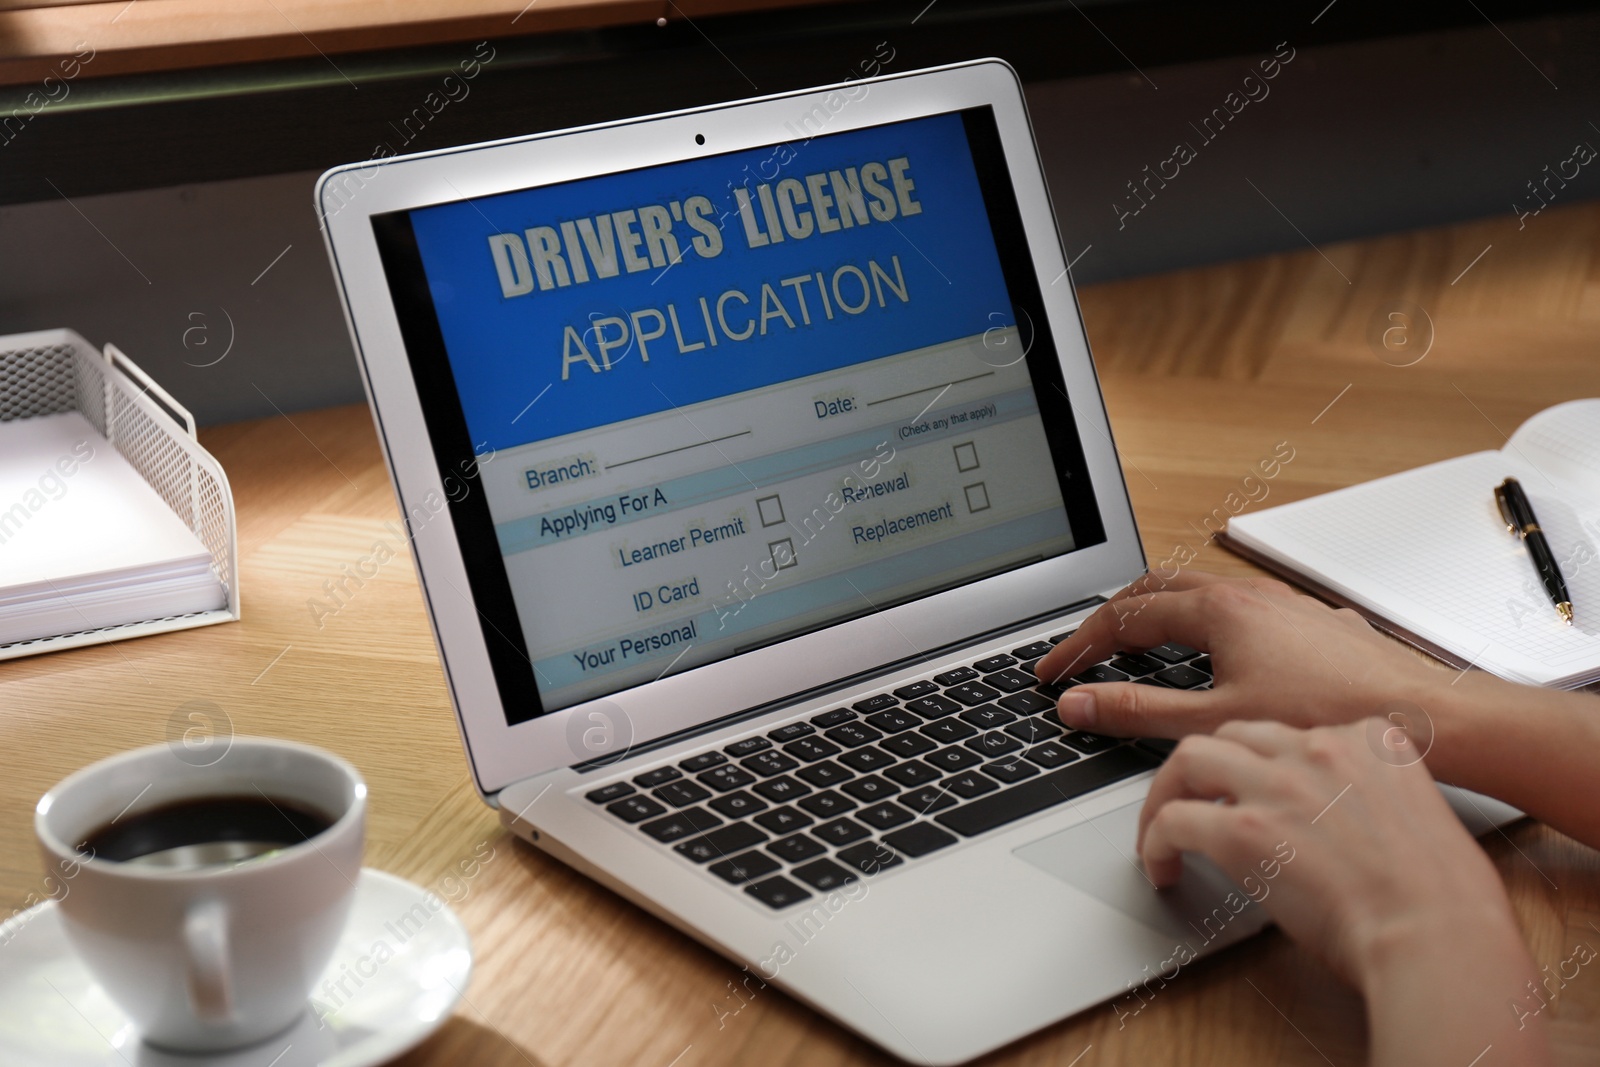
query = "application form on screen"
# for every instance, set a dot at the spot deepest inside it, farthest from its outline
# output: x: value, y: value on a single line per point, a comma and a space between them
x: 731, y: 399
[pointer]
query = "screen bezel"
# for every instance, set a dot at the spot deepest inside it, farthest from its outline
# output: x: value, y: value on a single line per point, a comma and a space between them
x: 478, y: 651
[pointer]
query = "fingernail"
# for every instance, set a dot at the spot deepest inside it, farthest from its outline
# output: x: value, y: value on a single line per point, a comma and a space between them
x: 1077, y: 708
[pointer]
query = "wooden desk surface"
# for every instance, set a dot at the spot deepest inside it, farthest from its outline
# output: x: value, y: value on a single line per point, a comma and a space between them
x: 1204, y: 371
x: 123, y: 37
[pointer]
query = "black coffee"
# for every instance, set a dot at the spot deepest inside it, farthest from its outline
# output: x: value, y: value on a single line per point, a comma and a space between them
x: 206, y: 831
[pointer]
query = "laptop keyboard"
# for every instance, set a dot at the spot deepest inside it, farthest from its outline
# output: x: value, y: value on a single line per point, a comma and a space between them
x: 815, y: 804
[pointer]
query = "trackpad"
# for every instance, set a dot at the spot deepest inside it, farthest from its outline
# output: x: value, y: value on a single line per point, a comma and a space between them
x: 1099, y: 858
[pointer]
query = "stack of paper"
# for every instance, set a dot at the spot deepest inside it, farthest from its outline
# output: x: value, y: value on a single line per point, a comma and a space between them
x: 85, y: 542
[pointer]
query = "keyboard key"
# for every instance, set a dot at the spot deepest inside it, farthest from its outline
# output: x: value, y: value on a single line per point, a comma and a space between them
x: 1136, y: 665
x: 659, y: 776
x: 870, y: 788
x: 871, y: 704
x: 797, y: 848
x: 885, y: 815
x: 1099, y: 673
x: 792, y: 731
x: 914, y: 772
x: 777, y: 892
x: 768, y: 764
x: 927, y: 799
x: 1032, y: 650
x: 748, y: 747
x: 1028, y: 702
x: 853, y: 734
x: 969, y: 784
x: 827, y: 804
x: 919, y: 840
x: 811, y: 749
x: 784, y: 820
x: 950, y: 760
x: 915, y: 690
x: 743, y: 868
x: 1032, y: 731
x: 932, y: 707
x: 835, y: 717
x: 866, y: 759
x: 1172, y: 652
x: 727, y: 778
x: 607, y: 793
x: 869, y: 857
x: 1183, y: 676
x: 1008, y: 771
x: 781, y: 789
x: 948, y: 731
x: 956, y: 677
x: 636, y: 809
x: 972, y: 693
x: 1046, y: 791
x: 824, y: 774
x: 1010, y: 681
x: 907, y: 745
x: 987, y: 716
x: 680, y: 824
x: 1089, y: 744
x: 1152, y: 683
x: 1050, y: 755
x: 1056, y: 639
x: 824, y: 875
x: 994, y: 663
x: 682, y: 794
x: 892, y: 722
x: 994, y: 743
x: 1203, y: 665
x: 704, y: 761
x: 842, y: 831
x: 1159, y: 747
x: 738, y: 804
x: 719, y: 844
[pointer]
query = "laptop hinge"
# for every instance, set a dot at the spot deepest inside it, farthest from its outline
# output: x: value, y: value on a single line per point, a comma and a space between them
x: 712, y: 725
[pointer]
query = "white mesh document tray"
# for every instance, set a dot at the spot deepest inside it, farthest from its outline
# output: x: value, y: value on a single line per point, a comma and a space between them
x: 55, y: 371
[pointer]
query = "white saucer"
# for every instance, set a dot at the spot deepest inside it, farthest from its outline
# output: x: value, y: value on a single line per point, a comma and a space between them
x: 54, y: 1014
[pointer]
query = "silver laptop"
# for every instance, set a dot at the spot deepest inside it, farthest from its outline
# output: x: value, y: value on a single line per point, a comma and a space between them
x: 751, y: 455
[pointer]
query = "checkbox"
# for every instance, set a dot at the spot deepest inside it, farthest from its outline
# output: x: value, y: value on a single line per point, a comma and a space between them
x: 770, y: 508
x: 977, y: 497
x: 966, y: 456
x: 783, y: 556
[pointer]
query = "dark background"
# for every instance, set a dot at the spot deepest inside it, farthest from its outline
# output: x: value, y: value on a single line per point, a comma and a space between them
x: 144, y: 209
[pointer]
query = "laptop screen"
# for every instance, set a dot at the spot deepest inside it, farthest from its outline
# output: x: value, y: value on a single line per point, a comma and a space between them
x: 698, y: 408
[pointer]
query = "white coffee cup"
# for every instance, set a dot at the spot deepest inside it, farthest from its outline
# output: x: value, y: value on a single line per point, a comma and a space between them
x: 214, y: 957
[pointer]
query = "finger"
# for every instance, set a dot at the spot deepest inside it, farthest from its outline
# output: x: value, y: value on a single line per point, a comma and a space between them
x: 1183, y: 826
x: 1134, y: 622
x: 1203, y: 768
x: 1127, y: 709
x: 1264, y: 737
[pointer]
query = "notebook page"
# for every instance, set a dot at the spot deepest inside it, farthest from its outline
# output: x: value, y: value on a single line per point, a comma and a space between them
x: 1427, y: 549
x: 1563, y: 443
x: 102, y: 519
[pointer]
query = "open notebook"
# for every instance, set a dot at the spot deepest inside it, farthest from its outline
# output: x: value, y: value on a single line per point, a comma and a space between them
x: 1425, y: 555
x: 85, y: 542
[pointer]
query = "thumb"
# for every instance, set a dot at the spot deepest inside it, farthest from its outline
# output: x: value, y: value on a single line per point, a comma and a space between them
x: 1126, y: 709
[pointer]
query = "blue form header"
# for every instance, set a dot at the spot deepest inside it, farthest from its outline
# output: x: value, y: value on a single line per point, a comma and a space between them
x: 591, y: 302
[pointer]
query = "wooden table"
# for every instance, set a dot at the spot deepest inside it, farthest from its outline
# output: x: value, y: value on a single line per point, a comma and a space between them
x: 1205, y: 372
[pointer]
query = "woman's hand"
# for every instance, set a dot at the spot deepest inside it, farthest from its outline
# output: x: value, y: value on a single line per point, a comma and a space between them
x: 1371, y: 871
x: 1275, y: 654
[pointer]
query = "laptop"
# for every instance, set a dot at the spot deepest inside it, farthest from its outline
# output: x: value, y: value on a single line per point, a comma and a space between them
x: 751, y: 455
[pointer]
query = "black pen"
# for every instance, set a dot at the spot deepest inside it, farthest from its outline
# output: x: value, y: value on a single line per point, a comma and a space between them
x: 1520, y: 520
